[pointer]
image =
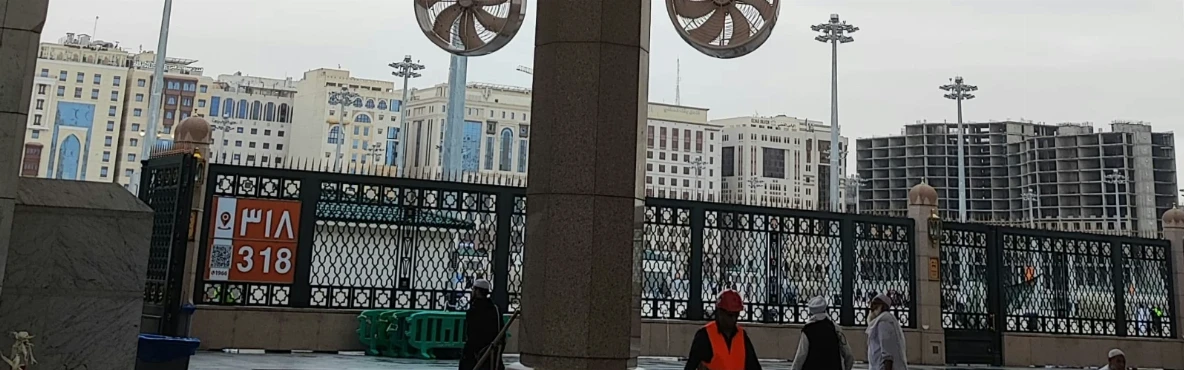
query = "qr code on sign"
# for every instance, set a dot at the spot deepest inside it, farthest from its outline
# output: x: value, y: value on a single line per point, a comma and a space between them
x: 220, y: 257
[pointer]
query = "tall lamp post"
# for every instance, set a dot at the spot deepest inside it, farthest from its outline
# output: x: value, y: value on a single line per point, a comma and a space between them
x: 407, y: 70
x: 855, y: 183
x: 1032, y: 197
x: 960, y: 91
x: 342, y: 98
x: 1114, y: 178
x: 223, y: 125
x: 835, y: 33
x: 754, y: 183
x: 699, y: 164
x: 375, y: 151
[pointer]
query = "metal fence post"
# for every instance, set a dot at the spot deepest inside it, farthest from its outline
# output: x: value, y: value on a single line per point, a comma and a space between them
x: 310, y: 196
x: 695, y: 295
x: 501, y: 250
x: 1118, y: 275
x: 847, y: 258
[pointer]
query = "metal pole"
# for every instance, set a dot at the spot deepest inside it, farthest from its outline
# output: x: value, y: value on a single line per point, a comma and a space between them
x: 402, y: 138
x: 834, y: 126
x: 1105, y: 218
x: 154, y: 101
x: 961, y: 165
x: 1117, y: 201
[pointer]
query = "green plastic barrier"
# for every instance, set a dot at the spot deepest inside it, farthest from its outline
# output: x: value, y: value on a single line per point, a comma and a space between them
x: 431, y: 330
x: 393, y: 325
x: 369, y: 331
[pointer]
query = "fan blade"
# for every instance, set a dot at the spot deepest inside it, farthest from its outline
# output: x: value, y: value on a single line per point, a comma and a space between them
x: 468, y: 33
x: 491, y: 2
x: 444, y: 22
x: 762, y: 6
x: 693, y: 8
x: 709, y: 30
x: 488, y: 20
x: 428, y: 4
x: 741, y: 30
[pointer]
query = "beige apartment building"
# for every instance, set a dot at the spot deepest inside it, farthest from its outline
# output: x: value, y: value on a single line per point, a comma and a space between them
x: 368, y: 132
x: 781, y: 160
x: 682, y: 153
x: 496, y: 133
x: 252, y: 119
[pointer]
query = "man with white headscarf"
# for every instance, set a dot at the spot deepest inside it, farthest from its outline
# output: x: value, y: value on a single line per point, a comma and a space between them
x: 822, y: 345
x: 885, y: 338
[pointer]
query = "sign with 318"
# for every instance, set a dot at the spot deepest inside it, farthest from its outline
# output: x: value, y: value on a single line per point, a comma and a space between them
x: 253, y: 240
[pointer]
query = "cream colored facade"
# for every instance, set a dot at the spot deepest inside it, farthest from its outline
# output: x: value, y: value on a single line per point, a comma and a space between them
x: 367, y: 135
x: 495, y: 136
x: 780, y: 161
x: 252, y: 119
x: 76, y: 111
x: 682, y: 153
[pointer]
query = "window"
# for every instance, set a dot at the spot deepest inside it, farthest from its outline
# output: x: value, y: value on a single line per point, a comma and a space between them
x: 115, y: 80
x: 201, y: 103
x: 251, y: 144
x: 139, y: 97
x: 773, y: 163
x: 139, y: 82
x: 41, y: 89
x: 279, y: 146
x: 168, y: 115
x: 111, y: 111
x: 36, y: 120
x: 45, y: 72
x: 129, y: 173
x: 81, y: 76
x: 238, y: 143
x: 110, y: 126
x: 172, y: 101
x: 135, y: 127
x: 131, y: 157
x: 40, y: 104
x: 78, y: 93
x: 188, y: 102
x: 507, y: 146
x: 366, y: 131
x: 36, y: 134
x: 335, y: 135
x: 61, y: 91
x: 728, y: 158
x: 106, y: 156
x: 204, y: 88
x: 239, y: 130
x: 137, y: 112
x: 488, y: 151
x: 266, y: 132
x: 62, y: 76
x: 133, y: 142
x: 94, y: 94
x: 254, y: 131
x: 280, y: 133
x: 266, y: 145
x: 114, y: 96
x: 354, y: 144
x: 107, y: 141
x: 103, y: 172
x: 98, y: 79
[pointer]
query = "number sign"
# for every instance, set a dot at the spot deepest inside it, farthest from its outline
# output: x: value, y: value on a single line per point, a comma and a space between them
x: 254, y: 240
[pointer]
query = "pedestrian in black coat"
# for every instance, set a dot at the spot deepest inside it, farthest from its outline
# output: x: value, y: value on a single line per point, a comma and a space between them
x: 483, y: 323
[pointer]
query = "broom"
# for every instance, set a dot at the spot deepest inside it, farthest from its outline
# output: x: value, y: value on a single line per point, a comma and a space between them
x: 501, y: 336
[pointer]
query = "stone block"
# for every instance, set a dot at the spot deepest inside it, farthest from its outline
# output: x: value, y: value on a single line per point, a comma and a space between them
x: 18, y: 55
x: 12, y: 151
x: 24, y: 15
x: 81, y: 330
x: 624, y: 23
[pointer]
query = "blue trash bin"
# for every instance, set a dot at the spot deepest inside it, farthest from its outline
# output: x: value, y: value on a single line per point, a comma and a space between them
x: 158, y: 352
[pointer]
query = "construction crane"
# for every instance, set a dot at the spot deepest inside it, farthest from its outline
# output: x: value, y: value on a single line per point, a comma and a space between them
x: 526, y: 70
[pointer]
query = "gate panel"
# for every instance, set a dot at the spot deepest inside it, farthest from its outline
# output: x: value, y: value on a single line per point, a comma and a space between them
x: 970, y: 295
x: 166, y: 185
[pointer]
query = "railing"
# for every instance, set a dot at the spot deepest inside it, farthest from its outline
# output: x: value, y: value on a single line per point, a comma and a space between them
x: 378, y: 242
x: 1056, y: 282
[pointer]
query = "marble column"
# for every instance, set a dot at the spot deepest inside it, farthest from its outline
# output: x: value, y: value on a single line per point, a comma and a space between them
x: 1173, y: 231
x: 922, y: 204
x: 20, y: 36
x: 585, y: 200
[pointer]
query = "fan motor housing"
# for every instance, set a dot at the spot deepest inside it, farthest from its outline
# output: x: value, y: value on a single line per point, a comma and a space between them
x: 704, y: 24
x: 470, y: 27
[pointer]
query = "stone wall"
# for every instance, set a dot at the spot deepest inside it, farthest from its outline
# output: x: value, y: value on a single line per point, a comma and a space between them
x: 75, y: 273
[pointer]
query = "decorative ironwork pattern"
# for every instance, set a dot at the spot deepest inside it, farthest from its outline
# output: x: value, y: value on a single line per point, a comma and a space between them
x: 884, y: 264
x: 1146, y: 270
x: 964, y: 281
x: 161, y: 187
x: 1055, y: 283
x: 666, y: 263
x: 167, y: 187
x: 400, y: 247
x: 776, y: 262
x: 517, y: 245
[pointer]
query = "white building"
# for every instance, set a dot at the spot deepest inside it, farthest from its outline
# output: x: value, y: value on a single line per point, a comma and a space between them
x: 496, y: 134
x: 369, y: 132
x: 682, y: 153
x: 252, y: 119
x: 780, y: 161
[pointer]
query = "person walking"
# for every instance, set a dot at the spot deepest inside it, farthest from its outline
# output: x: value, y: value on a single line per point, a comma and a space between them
x: 1115, y: 360
x: 722, y: 344
x: 483, y: 322
x: 885, y: 338
x: 822, y: 345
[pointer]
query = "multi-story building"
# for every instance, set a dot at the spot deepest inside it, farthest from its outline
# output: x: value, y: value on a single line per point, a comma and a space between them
x: 780, y: 161
x: 682, y: 153
x: 76, y: 111
x: 185, y: 92
x: 495, y: 137
x: 368, y: 133
x: 1073, y: 173
x: 252, y: 119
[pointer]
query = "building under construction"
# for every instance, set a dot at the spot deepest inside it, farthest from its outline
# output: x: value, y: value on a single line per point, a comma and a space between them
x: 1063, y: 176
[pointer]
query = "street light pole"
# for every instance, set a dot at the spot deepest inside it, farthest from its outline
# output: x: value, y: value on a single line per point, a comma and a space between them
x: 699, y: 164
x: 342, y: 98
x: 162, y: 43
x: 856, y: 182
x: 223, y: 125
x: 1115, y: 178
x: 835, y: 33
x: 1030, y: 196
x: 375, y: 151
x: 960, y: 91
x: 753, y: 183
x: 407, y: 70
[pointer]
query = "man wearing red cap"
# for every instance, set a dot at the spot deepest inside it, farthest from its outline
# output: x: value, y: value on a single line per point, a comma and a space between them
x: 722, y: 344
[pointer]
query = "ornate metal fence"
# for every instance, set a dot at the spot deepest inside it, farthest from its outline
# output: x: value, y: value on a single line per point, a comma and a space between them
x: 1056, y: 282
x: 167, y: 186
x: 365, y: 242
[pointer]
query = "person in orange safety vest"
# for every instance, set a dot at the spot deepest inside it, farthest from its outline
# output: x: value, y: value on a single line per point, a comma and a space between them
x: 722, y: 344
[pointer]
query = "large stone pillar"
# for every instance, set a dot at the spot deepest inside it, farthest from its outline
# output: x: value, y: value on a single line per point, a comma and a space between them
x: 585, y: 200
x: 193, y: 134
x: 1173, y: 231
x: 923, y: 204
x: 20, y: 36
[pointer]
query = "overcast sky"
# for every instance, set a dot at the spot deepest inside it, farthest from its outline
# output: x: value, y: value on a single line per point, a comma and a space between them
x: 1042, y: 60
